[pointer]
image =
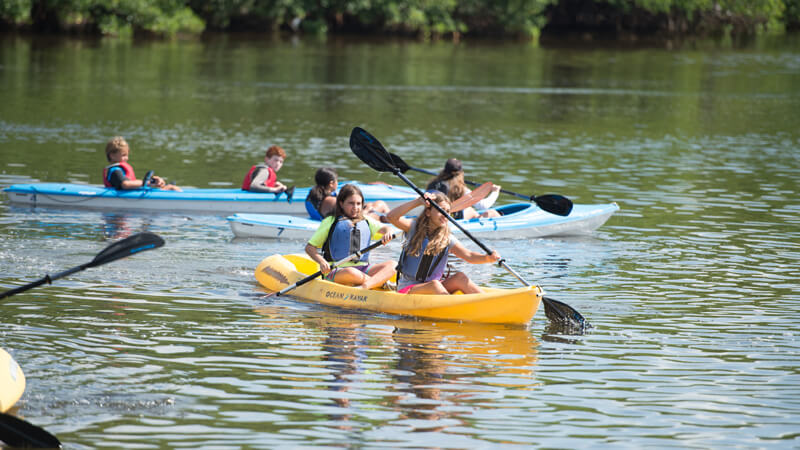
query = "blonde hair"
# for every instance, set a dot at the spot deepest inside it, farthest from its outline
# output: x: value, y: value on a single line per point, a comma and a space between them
x: 115, y: 145
x: 438, y: 235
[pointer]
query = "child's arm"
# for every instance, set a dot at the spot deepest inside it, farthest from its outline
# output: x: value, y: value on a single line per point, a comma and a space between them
x: 380, y: 231
x: 317, y: 241
x: 397, y: 216
x: 473, y: 257
x: 328, y: 206
x: 119, y: 181
x: 257, y: 185
x: 312, y: 253
x: 487, y: 202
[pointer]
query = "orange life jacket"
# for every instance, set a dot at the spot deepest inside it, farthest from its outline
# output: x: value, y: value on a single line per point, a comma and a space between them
x: 127, y: 168
x: 248, y: 179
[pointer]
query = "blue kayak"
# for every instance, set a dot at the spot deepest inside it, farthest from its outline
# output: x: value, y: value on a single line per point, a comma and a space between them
x: 207, y: 201
x: 518, y: 220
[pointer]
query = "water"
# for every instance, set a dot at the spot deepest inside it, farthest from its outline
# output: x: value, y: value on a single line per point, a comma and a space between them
x: 691, y: 287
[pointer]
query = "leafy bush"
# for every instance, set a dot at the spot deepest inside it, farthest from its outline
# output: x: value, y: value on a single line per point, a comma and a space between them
x: 412, y: 17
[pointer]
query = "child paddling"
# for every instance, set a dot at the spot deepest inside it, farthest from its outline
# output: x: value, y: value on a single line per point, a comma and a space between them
x: 344, y: 233
x: 425, y: 251
x: 119, y: 174
x: 450, y: 181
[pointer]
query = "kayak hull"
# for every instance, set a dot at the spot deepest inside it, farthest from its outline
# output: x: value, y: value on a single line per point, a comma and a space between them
x: 510, y: 306
x: 521, y: 220
x: 202, y: 201
x: 12, y: 381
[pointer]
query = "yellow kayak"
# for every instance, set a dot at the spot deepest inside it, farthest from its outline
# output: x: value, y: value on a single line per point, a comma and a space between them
x: 514, y: 306
x: 12, y: 381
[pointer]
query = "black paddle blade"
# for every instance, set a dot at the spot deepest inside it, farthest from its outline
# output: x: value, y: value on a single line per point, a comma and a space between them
x: 127, y: 247
x: 369, y: 150
x: 553, y: 203
x: 289, y: 194
x: 19, y: 433
x: 562, y: 314
x: 147, y: 178
x: 399, y: 163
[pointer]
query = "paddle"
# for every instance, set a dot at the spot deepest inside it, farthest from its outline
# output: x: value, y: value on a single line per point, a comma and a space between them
x: 289, y: 194
x: 552, y: 203
x: 370, y: 151
x: 120, y: 249
x: 19, y: 433
x: 467, y: 200
x: 148, y: 177
x: 334, y: 265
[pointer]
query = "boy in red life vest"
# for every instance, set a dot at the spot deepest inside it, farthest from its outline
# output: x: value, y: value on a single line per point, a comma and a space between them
x: 119, y: 174
x: 264, y: 177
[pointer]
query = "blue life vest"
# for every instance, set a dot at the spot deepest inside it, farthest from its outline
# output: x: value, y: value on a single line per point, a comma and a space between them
x: 345, y: 238
x: 422, y: 267
x: 313, y: 210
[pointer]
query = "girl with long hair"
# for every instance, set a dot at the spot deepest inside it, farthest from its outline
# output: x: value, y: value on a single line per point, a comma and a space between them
x: 321, y: 200
x: 427, y: 246
x: 344, y: 233
x: 451, y: 182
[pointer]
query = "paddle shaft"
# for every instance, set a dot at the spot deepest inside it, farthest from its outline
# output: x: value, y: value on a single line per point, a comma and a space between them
x: 20, y: 433
x: 379, y: 159
x: 334, y: 265
x: 133, y: 244
x: 46, y: 279
x: 458, y: 225
x: 475, y: 183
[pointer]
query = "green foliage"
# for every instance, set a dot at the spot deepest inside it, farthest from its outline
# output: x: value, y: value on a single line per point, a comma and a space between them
x: 791, y: 14
x: 257, y: 14
x: 15, y: 11
x: 412, y: 17
x: 522, y: 17
x: 162, y: 17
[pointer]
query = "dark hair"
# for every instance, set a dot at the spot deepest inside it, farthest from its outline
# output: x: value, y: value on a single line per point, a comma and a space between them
x: 452, y: 166
x: 347, y: 191
x: 322, y: 178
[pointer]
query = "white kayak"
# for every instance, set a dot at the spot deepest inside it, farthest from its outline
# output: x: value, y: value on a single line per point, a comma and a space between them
x: 206, y: 201
x: 519, y: 220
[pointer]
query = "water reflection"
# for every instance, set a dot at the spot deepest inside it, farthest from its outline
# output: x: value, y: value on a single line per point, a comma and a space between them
x: 692, y: 286
x: 117, y: 226
x: 345, y: 351
x: 423, y: 371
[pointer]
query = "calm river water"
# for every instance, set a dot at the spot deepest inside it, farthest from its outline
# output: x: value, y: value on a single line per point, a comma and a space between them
x: 692, y: 286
